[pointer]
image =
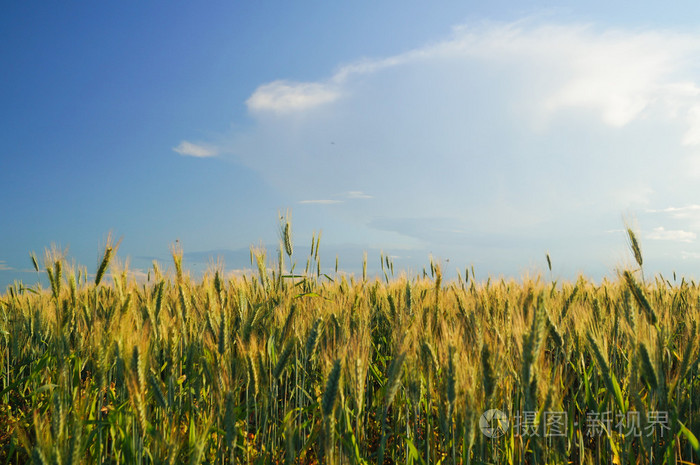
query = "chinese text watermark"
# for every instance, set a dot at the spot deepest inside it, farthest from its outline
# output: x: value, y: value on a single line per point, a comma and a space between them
x: 495, y: 423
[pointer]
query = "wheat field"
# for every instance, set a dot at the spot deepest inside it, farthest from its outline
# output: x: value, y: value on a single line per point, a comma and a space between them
x: 284, y: 365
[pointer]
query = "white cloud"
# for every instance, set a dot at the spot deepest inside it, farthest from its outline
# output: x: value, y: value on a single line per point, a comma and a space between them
x: 617, y: 73
x: 4, y: 266
x: 138, y: 275
x: 692, y: 136
x: 357, y: 195
x: 237, y: 273
x: 671, y: 235
x: 195, y: 150
x: 688, y: 211
x: 633, y: 195
x: 320, y: 202
x: 621, y: 73
x: 520, y: 130
x: 284, y: 96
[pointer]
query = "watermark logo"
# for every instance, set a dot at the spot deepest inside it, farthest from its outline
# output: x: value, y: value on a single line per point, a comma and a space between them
x: 493, y: 423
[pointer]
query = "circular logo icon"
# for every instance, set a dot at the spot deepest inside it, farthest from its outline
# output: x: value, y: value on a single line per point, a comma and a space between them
x: 493, y: 423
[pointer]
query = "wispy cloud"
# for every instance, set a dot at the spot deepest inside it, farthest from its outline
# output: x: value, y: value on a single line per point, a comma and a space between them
x: 4, y: 266
x: 357, y: 195
x: 662, y: 234
x: 237, y: 273
x: 688, y: 211
x: 692, y: 135
x: 685, y: 217
x: 320, y: 202
x: 350, y: 195
x: 195, y: 150
x: 138, y: 275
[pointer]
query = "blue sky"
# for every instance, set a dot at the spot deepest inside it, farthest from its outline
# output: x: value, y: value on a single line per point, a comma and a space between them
x: 482, y: 133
